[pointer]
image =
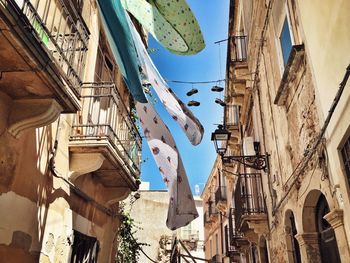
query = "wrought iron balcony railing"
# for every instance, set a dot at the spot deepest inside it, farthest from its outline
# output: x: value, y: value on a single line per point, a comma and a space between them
x: 231, y: 249
x: 61, y: 29
x: 212, y: 210
x: 206, y: 218
x: 233, y: 233
x: 106, y: 117
x: 240, y: 48
x: 248, y: 196
x: 220, y: 194
x: 232, y: 116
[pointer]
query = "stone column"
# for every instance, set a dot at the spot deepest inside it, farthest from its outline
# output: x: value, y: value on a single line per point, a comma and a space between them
x: 309, y: 247
x: 336, y: 219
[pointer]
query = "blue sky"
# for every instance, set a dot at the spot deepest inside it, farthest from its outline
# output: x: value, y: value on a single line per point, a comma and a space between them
x: 198, y: 160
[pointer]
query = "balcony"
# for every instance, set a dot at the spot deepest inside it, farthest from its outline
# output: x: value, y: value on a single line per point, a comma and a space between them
x: 221, y: 198
x: 235, y: 237
x: 212, y: 210
x: 43, y: 49
x: 206, y: 218
x: 105, y: 133
x: 239, y: 50
x: 250, y: 208
x: 232, y: 117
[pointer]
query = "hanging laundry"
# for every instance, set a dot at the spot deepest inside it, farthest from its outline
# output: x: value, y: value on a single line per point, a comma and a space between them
x: 182, y: 208
x: 175, y: 107
x: 121, y: 42
x: 171, y: 22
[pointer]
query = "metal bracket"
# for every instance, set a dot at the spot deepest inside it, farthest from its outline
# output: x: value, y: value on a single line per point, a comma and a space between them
x: 257, y: 162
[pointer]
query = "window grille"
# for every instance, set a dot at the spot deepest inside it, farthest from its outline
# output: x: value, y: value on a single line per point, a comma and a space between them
x: 345, y: 151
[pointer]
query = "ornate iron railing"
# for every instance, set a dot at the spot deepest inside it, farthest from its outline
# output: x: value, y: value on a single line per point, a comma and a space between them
x: 220, y: 194
x: 240, y: 48
x: 232, y: 116
x: 249, y: 198
x: 206, y: 219
x: 61, y: 29
x: 212, y: 210
x: 105, y: 116
x: 233, y: 233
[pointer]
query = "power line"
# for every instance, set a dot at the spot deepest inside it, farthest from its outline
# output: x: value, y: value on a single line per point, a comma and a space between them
x: 195, y: 82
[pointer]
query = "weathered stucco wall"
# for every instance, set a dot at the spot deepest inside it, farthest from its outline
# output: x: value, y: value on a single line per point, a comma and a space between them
x: 38, y: 210
x: 329, y: 56
x: 150, y: 213
x: 289, y: 104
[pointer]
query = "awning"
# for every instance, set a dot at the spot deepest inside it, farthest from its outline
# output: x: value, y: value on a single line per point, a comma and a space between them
x: 122, y: 45
x: 171, y: 22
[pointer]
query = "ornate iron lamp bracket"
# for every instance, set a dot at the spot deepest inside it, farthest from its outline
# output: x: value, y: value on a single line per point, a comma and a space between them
x: 257, y: 162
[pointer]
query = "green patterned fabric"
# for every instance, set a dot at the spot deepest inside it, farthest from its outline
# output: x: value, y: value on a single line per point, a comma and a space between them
x: 171, y: 22
x: 122, y: 45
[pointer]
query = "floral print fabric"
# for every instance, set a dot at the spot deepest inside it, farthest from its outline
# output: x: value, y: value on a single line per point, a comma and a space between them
x: 171, y: 22
x: 176, y: 108
x: 182, y: 209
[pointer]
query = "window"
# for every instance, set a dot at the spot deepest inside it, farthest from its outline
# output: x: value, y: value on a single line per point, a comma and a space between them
x: 285, y: 41
x: 84, y: 248
x: 345, y: 152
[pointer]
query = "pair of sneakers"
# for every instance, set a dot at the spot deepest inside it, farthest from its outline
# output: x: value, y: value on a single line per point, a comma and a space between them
x: 192, y: 103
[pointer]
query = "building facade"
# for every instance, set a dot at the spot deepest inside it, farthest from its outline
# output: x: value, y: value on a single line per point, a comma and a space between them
x: 69, y: 148
x: 150, y: 214
x: 287, y: 107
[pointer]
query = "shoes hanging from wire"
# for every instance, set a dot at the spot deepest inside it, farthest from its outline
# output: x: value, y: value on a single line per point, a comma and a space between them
x: 192, y: 91
x: 217, y: 88
x: 193, y: 103
x: 221, y: 102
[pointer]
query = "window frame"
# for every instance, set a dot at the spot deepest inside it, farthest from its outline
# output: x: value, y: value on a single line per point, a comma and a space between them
x: 284, y: 16
x: 345, y: 160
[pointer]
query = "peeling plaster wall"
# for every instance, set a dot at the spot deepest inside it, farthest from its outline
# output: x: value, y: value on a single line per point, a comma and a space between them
x: 39, y: 211
x: 329, y: 56
x: 287, y: 130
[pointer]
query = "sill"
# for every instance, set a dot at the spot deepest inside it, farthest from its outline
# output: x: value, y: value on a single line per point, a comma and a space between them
x: 289, y: 77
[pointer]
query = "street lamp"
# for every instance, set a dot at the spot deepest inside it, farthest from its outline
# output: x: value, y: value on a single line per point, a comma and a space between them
x: 221, y: 137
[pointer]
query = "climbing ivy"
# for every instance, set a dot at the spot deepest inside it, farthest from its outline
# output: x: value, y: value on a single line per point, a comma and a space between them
x: 129, y: 248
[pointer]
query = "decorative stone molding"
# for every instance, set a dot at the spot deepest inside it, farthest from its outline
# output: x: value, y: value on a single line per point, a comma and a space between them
x: 335, y: 218
x: 309, y: 247
x: 32, y: 113
x: 307, y: 238
x: 83, y: 163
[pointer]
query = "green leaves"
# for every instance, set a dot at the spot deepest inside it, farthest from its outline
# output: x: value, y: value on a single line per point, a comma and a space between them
x: 129, y: 248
